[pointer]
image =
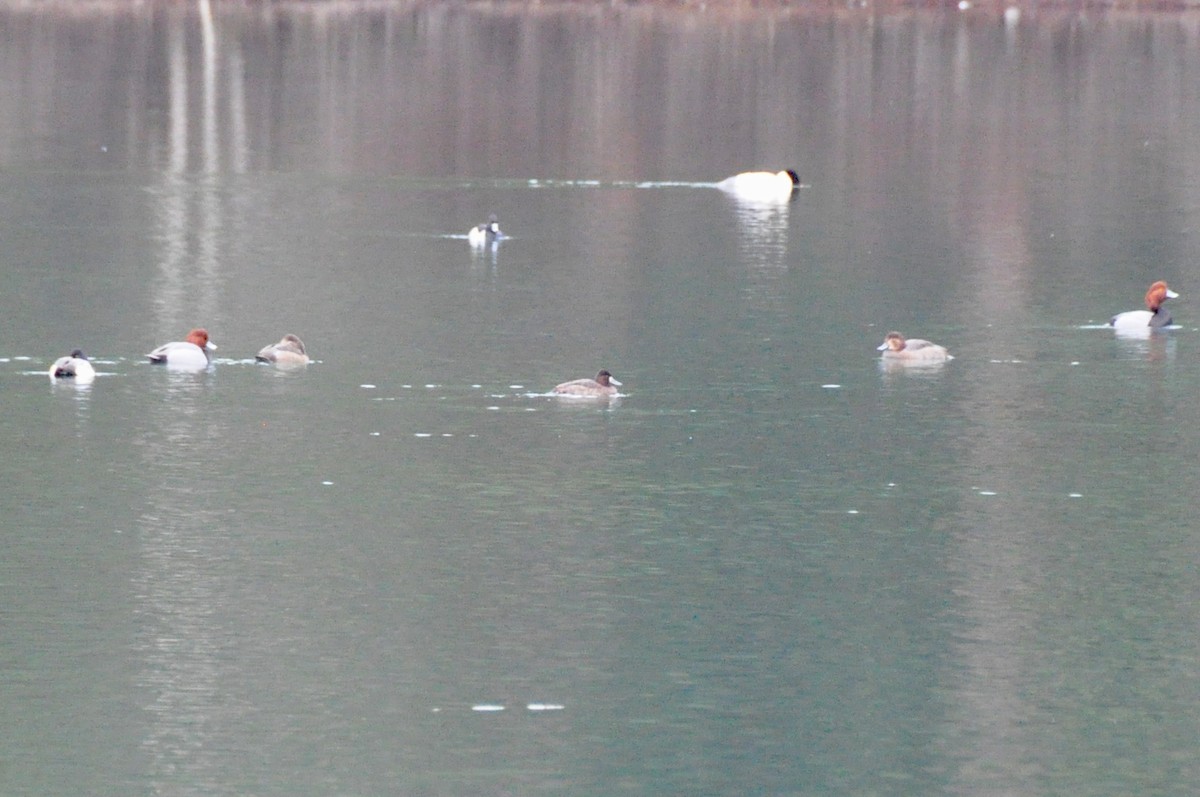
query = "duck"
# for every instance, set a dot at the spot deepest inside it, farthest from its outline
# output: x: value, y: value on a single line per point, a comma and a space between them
x: 603, y: 386
x: 288, y: 351
x: 75, y: 366
x: 897, y: 349
x: 485, y: 234
x: 194, y: 352
x: 1155, y: 316
x: 762, y: 186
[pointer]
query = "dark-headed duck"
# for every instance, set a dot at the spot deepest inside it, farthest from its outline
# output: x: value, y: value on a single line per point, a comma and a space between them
x: 485, y: 234
x: 761, y: 186
x: 602, y: 386
x: 75, y: 366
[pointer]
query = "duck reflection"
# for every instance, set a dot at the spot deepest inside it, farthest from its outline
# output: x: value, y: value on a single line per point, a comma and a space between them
x: 183, y: 576
x: 1145, y: 344
x: 762, y: 245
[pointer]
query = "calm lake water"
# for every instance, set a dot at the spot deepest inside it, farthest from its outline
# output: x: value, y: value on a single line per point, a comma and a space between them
x: 770, y: 568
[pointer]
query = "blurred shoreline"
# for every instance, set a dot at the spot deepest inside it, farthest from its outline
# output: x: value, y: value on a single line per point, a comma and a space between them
x: 1008, y: 11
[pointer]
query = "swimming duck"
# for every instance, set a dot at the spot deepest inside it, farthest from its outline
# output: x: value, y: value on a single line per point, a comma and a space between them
x: 76, y: 367
x: 1155, y: 315
x: 916, y: 351
x: 193, y: 352
x: 288, y: 351
x: 602, y: 386
x: 484, y: 234
x: 762, y: 186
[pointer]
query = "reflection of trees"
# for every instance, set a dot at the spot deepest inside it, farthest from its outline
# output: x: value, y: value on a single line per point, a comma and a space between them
x: 376, y: 89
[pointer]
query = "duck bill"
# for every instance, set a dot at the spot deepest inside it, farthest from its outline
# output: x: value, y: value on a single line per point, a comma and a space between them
x: 1172, y: 294
x: 881, y: 346
x: 612, y: 381
x: 210, y: 345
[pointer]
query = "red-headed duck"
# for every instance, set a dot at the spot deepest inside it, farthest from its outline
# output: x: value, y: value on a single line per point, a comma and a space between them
x: 896, y: 348
x: 1154, y: 316
x: 761, y: 186
x: 485, y: 234
x: 289, y: 351
x: 75, y: 366
x: 193, y: 352
x: 602, y: 386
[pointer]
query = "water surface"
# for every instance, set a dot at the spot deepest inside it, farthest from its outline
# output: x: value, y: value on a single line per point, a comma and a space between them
x: 771, y: 567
